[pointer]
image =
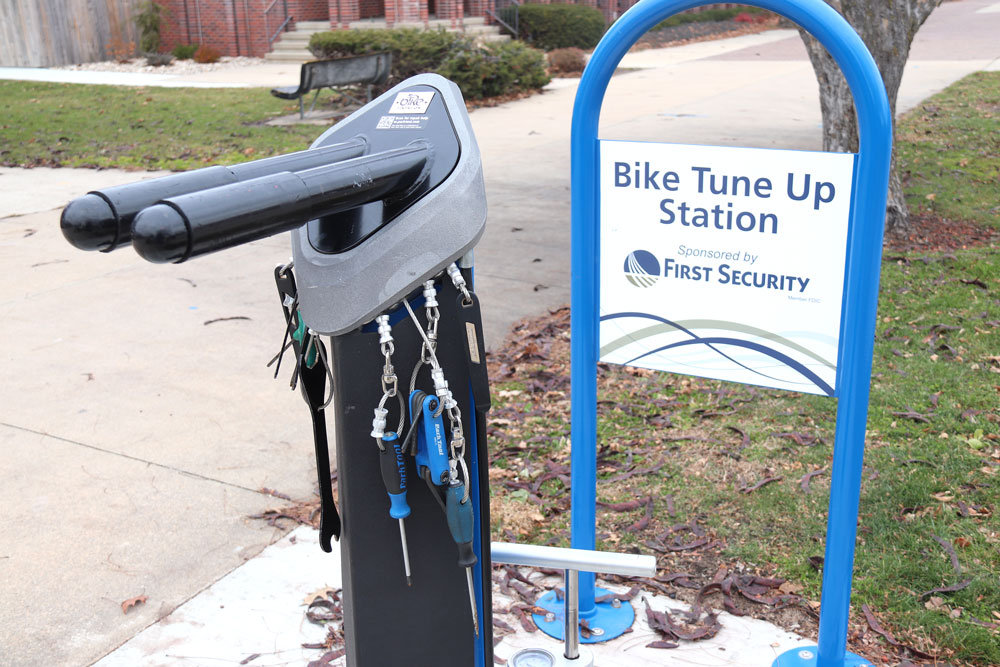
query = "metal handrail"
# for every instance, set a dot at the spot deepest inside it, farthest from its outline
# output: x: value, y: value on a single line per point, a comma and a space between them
x: 284, y: 24
x: 514, y: 30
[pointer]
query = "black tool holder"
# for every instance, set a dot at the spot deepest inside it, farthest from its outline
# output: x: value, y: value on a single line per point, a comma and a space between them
x: 383, y: 201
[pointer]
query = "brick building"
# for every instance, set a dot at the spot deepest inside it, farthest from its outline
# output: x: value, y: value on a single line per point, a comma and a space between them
x: 247, y: 27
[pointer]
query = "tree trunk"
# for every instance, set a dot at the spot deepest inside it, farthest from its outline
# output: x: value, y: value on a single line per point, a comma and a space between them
x: 887, y: 28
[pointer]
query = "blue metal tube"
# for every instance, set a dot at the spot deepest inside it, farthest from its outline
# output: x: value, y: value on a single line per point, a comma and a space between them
x: 860, y: 299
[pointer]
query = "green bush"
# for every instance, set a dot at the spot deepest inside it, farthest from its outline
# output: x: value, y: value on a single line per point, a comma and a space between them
x: 495, y: 69
x: 557, y: 26
x: 413, y: 51
x: 148, y: 20
x: 479, y: 71
x: 184, y: 51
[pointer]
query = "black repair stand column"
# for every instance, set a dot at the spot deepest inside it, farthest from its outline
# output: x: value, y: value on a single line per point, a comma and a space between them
x: 387, y: 623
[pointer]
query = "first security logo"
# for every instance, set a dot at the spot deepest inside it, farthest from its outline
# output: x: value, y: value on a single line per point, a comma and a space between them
x: 642, y: 269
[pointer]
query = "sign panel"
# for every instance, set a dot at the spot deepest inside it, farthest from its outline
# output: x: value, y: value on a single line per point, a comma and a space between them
x: 724, y: 263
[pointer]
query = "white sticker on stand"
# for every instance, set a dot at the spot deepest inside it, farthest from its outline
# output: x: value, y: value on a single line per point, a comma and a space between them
x: 412, y: 101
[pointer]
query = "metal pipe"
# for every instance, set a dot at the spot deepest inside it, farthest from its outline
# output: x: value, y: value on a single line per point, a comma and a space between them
x: 572, y: 630
x: 246, y: 23
x: 603, y: 562
x: 236, y: 27
x: 197, y: 9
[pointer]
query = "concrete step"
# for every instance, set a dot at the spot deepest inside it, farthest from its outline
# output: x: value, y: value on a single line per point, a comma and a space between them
x: 295, y: 37
x: 299, y: 56
x: 312, y: 26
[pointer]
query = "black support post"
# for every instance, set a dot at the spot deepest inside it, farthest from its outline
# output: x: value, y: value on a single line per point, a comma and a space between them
x: 390, y: 624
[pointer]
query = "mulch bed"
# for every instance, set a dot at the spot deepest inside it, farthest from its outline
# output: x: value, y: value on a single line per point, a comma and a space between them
x: 689, y: 33
x: 932, y: 233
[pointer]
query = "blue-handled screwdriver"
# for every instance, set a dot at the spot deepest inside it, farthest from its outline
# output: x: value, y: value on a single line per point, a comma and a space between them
x: 393, y: 465
x: 461, y: 524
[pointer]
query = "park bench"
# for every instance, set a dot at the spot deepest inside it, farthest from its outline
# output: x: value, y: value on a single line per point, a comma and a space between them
x: 368, y: 70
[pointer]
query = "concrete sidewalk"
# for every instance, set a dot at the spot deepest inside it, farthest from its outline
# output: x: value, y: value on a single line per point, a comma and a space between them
x: 139, y: 425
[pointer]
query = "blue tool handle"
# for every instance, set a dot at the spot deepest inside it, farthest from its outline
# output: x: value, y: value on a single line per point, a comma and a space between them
x: 393, y: 465
x: 432, y: 447
x: 461, y: 524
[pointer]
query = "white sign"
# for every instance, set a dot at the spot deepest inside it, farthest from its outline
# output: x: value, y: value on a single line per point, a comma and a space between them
x: 724, y: 263
x: 412, y: 102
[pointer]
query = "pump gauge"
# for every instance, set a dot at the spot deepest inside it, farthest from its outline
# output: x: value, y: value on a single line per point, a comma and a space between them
x: 532, y: 657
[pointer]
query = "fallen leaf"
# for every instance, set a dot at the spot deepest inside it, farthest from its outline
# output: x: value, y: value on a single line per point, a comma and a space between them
x: 322, y: 594
x: 791, y: 589
x: 132, y: 602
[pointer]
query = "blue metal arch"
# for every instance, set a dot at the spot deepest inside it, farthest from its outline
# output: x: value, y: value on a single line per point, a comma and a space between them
x: 864, y: 244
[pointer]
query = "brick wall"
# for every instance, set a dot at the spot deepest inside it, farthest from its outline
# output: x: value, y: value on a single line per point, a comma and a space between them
x: 371, y: 8
x: 310, y: 10
x: 234, y: 27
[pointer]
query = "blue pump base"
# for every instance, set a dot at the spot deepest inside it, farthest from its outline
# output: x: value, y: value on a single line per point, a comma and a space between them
x: 611, y: 621
x: 806, y: 656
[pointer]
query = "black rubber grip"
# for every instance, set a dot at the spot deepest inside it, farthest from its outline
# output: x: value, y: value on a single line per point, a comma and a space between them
x: 102, y: 219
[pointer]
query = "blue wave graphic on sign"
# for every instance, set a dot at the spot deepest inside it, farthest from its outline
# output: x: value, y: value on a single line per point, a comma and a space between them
x: 711, y: 342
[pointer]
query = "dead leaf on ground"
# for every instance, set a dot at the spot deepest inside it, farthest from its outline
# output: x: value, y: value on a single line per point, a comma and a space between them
x: 132, y: 602
x: 322, y: 594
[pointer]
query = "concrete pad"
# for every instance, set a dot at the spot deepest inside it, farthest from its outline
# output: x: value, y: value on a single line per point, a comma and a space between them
x: 742, y: 642
x: 85, y: 530
x: 646, y: 58
x: 258, y: 609
x: 265, y: 75
x: 109, y: 78
x: 112, y: 351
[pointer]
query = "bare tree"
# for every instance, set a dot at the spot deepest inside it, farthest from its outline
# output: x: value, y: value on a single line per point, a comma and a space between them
x: 887, y: 28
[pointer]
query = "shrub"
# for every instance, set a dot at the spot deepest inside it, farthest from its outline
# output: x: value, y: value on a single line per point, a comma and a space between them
x: 495, y: 69
x: 206, y: 54
x: 148, y: 21
x: 158, y: 59
x: 184, y: 51
x: 557, y: 26
x: 413, y: 51
x: 479, y: 71
x: 566, y: 61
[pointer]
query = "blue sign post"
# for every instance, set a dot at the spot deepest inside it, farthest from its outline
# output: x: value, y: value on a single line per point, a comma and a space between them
x: 857, y: 324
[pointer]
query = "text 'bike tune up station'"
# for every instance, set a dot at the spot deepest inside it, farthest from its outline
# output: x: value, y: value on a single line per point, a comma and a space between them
x: 770, y: 260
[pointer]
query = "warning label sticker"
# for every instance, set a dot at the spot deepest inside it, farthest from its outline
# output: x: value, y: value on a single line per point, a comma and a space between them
x: 402, y: 122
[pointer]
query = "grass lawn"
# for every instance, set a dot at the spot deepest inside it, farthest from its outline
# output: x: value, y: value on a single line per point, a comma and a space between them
x: 71, y: 125
x: 724, y: 481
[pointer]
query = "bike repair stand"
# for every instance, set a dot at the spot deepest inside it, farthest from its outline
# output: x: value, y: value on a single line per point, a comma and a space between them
x: 381, y: 208
x: 384, y: 209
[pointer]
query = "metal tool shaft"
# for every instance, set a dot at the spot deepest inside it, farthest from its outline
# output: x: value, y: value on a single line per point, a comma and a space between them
x: 406, y: 552
x: 472, y: 600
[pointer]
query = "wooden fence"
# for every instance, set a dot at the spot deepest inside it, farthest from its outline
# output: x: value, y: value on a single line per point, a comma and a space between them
x: 43, y: 33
